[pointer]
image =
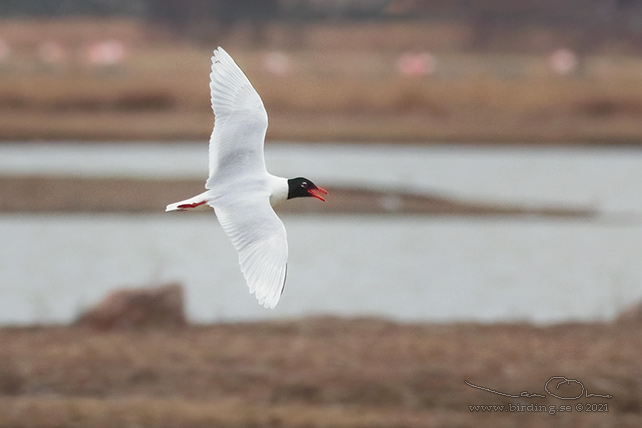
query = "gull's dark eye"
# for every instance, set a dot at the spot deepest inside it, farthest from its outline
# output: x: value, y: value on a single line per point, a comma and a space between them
x: 304, y: 185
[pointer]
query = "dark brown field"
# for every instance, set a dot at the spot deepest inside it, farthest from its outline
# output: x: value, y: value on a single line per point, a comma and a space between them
x: 318, y: 372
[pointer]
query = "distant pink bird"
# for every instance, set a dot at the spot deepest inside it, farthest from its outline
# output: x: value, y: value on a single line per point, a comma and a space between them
x: 416, y: 64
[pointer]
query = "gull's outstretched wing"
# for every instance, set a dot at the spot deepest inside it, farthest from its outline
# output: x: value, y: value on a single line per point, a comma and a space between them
x: 238, y: 176
x: 236, y: 145
x: 259, y: 237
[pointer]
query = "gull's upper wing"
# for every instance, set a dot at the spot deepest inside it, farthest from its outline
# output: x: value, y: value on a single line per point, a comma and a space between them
x: 236, y: 145
x: 259, y: 237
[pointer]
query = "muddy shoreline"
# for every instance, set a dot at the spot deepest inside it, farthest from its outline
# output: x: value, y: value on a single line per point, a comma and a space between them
x: 44, y: 194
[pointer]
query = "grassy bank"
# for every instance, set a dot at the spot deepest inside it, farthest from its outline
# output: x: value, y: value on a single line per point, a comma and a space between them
x: 315, y: 372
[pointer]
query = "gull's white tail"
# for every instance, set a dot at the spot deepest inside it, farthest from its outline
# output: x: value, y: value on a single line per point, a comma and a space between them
x: 194, y: 202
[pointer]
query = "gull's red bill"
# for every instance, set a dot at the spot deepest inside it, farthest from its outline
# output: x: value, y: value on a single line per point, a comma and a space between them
x: 318, y: 193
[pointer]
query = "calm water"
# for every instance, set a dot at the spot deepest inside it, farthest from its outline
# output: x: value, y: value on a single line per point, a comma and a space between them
x: 402, y: 267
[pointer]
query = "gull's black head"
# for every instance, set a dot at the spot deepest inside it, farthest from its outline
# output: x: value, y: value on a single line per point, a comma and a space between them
x: 302, y: 187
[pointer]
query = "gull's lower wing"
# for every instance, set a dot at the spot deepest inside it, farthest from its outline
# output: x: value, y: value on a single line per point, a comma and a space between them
x: 259, y: 237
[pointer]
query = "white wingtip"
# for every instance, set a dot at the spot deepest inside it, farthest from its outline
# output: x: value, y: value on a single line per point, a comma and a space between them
x: 267, y: 284
x: 264, y: 266
x: 269, y: 305
x: 269, y: 302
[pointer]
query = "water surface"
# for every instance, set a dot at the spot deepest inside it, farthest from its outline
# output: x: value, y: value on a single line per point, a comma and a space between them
x: 409, y: 268
x: 405, y: 268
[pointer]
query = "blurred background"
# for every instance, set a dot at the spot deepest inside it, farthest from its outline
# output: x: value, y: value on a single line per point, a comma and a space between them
x: 484, y: 167
x: 391, y: 71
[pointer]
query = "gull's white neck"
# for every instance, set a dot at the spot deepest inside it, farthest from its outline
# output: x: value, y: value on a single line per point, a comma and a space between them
x: 278, y: 189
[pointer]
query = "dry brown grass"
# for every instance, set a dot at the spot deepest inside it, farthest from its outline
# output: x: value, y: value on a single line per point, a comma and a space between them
x: 312, y: 372
x: 343, y: 86
x: 448, y: 112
